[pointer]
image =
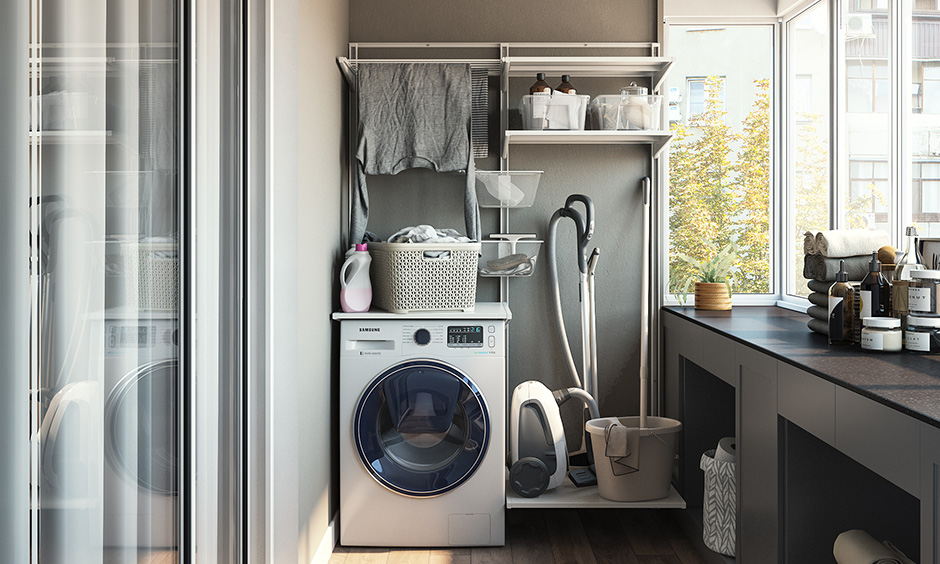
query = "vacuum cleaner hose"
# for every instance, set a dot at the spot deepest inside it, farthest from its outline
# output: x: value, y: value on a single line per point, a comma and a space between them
x: 561, y: 396
x: 556, y: 293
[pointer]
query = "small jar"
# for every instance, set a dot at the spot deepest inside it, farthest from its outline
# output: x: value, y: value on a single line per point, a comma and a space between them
x: 881, y: 334
x: 922, y: 334
x: 922, y: 293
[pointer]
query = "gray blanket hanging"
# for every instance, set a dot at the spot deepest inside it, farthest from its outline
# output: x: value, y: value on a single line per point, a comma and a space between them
x: 413, y: 115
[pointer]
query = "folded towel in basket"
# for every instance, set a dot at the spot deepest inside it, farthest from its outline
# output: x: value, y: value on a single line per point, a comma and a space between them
x: 859, y: 547
x: 414, y: 115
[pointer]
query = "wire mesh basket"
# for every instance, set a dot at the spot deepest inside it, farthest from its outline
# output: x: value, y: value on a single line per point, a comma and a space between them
x: 424, y: 276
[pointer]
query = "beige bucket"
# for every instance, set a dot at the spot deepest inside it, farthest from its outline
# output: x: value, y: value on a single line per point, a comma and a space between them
x: 657, y: 456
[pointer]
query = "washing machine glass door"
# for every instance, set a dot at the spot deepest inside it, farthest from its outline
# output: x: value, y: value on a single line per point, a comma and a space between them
x: 421, y: 428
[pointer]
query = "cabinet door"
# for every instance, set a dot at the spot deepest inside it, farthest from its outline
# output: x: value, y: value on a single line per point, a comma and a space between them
x: 929, y: 493
x: 757, y: 457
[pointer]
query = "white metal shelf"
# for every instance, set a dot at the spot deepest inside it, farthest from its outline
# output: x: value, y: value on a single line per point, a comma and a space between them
x: 70, y: 136
x: 655, y: 68
x: 658, y: 139
x: 569, y: 496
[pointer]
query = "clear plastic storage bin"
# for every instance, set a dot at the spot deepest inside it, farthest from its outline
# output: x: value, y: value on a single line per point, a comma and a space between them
x: 623, y: 112
x: 507, y: 188
x: 558, y: 111
x: 512, y: 254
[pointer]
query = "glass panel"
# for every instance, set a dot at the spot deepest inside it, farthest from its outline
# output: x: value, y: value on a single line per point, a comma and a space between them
x: 719, y: 167
x: 866, y: 124
x: 808, y: 123
x: 924, y: 122
x: 104, y: 155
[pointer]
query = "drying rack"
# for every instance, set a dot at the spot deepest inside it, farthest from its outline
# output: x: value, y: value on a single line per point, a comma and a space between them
x: 506, y: 60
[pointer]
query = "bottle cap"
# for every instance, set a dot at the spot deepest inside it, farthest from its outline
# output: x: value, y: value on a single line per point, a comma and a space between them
x: 565, y: 77
x: 923, y: 321
x: 842, y: 275
x: 875, y: 264
x: 912, y: 231
x: 362, y: 247
x: 883, y: 322
x: 925, y: 274
x: 539, y: 76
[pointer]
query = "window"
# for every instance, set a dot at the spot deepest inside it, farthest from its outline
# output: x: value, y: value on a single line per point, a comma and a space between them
x: 807, y: 136
x: 867, y: 87
x: 931, y: 86
x: 719, y: 163
x: 923, y: 125
x: 868, y: 195
x: 925, y: 184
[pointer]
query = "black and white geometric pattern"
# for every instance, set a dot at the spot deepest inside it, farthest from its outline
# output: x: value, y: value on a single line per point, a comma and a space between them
x: 718, y: 509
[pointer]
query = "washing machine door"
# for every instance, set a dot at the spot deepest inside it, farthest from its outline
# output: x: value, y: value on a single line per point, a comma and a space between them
x: 140, y: 427
x: 421, y: 428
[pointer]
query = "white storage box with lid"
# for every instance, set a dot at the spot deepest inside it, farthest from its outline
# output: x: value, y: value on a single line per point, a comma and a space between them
x: 507, y: 188
x: 558, y: 111
x: 424, y: 276
x: 509, y: 254
x: 622, y: 112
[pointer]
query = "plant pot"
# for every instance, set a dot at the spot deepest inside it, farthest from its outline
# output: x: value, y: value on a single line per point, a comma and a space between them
x: 712, y: 295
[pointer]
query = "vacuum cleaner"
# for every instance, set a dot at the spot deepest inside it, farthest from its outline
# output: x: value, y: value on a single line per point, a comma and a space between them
x: 539, y: 452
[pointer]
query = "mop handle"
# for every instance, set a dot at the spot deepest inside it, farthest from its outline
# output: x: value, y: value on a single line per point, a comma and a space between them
x: 644, y: 304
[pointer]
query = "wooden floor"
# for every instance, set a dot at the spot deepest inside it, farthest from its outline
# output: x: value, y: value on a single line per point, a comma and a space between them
x: 138, y: 556
x: 557, y: 536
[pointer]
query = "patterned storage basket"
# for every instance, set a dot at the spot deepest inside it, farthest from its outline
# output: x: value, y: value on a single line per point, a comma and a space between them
x: 151, y: 276
x: 718, y: 510
x: 424, y: 276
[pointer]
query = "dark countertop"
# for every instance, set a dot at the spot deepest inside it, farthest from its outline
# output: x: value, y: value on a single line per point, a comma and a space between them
x: 905, y: 381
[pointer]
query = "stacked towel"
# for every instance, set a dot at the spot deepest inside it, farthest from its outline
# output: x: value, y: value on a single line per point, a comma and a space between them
x: 859, y: 547
x: 824, y: 250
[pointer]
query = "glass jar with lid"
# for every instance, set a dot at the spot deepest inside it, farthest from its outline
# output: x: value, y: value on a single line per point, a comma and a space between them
x: 922, y: 294
x: 922, y: 334
x: 881, y: 334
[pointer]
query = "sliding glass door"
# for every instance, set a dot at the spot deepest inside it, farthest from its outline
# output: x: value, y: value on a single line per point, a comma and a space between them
x: 105, y: 280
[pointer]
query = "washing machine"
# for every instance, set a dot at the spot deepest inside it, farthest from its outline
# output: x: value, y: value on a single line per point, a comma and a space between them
x: 141, y: 499
x: 422, y: 427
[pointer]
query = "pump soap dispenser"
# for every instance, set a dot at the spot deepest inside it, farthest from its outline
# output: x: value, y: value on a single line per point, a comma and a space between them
x: 841, y: 309
x: 875, y: 291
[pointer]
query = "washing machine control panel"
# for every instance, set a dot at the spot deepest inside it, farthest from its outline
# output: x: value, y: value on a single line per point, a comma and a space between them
x: 465, y: 336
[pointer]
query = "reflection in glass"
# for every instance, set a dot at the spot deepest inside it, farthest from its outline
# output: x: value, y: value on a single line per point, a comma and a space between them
x: 105, y: 241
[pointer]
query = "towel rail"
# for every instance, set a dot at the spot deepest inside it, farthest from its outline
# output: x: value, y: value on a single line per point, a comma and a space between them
x: 349, y: 67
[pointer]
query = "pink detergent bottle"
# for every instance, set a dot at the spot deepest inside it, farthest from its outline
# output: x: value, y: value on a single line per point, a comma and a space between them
x: 355, y: 294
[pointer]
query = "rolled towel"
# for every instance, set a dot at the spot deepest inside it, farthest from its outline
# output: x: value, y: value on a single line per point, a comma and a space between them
x: 823, y: 268
x: 819, y: 286
x: 819, y: 326
x: 850, y: 242
x: 858, y: 547
x: 819, y: 312
x: 809, y: 243
x: 819, y: 299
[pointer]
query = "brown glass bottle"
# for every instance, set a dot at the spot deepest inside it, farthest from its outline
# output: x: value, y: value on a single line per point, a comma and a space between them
x: 540, y: 86
x: 841, y: 309
x: 565, y: 85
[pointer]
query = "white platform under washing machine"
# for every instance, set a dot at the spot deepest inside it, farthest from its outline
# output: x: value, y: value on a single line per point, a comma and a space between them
x: 422, y: 428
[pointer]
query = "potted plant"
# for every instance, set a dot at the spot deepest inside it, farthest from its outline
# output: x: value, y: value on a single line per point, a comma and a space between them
x: 712, y: 278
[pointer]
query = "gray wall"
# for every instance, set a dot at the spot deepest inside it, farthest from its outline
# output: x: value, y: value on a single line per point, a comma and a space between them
x: 608, y: 174
x: 321, y: 142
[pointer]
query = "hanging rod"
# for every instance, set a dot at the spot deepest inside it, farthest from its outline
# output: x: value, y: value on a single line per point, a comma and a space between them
x: 349, y: 68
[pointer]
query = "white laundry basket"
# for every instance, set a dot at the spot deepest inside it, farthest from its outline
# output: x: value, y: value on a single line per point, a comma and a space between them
x: 718, y: 510
x: 657, y: 456
x: 424, y: 276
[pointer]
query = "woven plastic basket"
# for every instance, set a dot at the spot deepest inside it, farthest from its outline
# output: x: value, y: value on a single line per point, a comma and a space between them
x: 424, y: 276
x: 151, y: 276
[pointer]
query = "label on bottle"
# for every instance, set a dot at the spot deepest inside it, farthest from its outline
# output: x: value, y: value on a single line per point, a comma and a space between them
x: 836, y: 319
x: 918, y: 299
x: 864, y: 306
x: 917, y: 341
x: 873, y: 340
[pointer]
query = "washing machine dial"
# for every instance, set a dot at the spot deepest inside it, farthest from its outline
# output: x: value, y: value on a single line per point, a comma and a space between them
x: 422, y: 337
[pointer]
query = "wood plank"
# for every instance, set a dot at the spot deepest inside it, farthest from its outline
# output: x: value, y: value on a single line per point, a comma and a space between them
x: 452, y: 556
x: 645, y: 536
x: 492, y: 554
x: 659, y: 559
x: 526, y: 528
x: 366, y: 555
x: 339, y: 555
x: 568, y: 539
x: 685, y: 551
x: 408, y: 556
x: 606, y: 537
x: 668, y: 525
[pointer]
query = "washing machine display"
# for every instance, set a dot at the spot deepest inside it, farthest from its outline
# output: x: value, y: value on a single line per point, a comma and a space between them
x: 422, y: 428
